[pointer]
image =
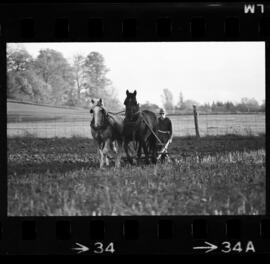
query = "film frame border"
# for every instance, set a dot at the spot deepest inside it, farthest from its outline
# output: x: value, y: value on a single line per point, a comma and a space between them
x: 129, y: 22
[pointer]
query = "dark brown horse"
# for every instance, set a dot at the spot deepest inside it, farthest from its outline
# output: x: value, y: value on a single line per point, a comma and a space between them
x: 139, y: 127
x: 107, y: 133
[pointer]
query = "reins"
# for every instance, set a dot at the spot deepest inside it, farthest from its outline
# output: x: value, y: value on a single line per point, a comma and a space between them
x: 112, y: 113
x: 151, y: 130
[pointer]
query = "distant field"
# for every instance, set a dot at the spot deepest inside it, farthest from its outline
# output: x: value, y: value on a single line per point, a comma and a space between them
x: 51, y: 122
x: 20, y: 112
x: 221, y: 124
x: 211, y: 176
x: 43, y: 121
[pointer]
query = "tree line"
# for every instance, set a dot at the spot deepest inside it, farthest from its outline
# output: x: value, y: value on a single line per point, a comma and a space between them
x: 51, y: 79
x: 186, y: 106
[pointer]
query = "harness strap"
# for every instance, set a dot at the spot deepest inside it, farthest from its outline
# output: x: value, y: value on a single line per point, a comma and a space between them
x: 164, y: 132
x: 151, y: 130
x: 104, y: 125
x: 116, y: 113
x: 141, y: 115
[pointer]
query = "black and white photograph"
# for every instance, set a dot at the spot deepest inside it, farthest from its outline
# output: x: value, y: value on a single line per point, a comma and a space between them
x: 136, y: 128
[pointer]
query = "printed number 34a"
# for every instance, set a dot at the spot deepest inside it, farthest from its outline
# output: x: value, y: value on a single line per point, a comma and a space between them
x: 227, y: 247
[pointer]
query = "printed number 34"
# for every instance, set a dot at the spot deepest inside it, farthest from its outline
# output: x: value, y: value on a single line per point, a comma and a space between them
x: 99, y: 248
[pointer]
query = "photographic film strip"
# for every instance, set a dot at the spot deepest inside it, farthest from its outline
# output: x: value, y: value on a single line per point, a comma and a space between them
x: 134, y: 128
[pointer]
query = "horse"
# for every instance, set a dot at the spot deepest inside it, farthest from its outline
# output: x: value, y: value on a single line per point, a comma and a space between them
x: 139, y: 127
x: 107, y: 132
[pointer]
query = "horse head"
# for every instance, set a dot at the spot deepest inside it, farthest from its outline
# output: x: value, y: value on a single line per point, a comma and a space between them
x: 99, y: 115
x: 132, y: 107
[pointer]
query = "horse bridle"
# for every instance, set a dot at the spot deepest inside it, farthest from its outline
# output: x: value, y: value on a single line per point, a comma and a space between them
x: 134, y: 115
x: 105, y: 121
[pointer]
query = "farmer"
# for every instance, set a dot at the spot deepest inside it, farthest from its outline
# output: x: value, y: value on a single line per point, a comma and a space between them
x: 164, y: 131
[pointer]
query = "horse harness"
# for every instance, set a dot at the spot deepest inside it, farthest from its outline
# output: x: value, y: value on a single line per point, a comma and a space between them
x: 132, y: 124
x: 105, y: 121
x: 135, y: 123
x: 164, y: 132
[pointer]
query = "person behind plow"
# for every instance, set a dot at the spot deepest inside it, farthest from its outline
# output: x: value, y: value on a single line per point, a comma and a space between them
x: 164, y: 133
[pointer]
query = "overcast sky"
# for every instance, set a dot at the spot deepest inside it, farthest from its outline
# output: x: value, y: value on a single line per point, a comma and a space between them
x: 203, y: 71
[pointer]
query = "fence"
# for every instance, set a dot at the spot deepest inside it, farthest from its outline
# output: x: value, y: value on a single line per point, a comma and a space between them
x: 221, y: 124
x: 183, y: 125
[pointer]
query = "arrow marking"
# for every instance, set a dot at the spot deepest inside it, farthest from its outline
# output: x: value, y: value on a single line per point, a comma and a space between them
x: 81, y: 248
x: 210, y: 247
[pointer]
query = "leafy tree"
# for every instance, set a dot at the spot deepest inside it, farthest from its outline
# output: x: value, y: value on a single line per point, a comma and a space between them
x: 229, y: 107
x: 180, y: 103
x: 79, y: 75
x: 220, y: 106
x: 213, y: 107
x: 18, y: 86
x: 206, y: 108
x: 18, y: 60
x: 95, y: 74
x: 56, y: 73
x: 148, y: 106
x: 18, y: 70
x: 262, y: 106
x: 26, y: 85
x: 96, y: 83
x: 188, y: 104
x: 111, y: 99
x: 248, y: 105
x: 70, y: 98
x: 51, y: 79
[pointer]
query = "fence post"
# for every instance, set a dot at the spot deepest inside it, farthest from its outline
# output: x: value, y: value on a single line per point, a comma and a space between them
x: 196, y: 121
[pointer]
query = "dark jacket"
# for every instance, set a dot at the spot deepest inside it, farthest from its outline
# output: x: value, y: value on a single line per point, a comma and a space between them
x: 164, y: 129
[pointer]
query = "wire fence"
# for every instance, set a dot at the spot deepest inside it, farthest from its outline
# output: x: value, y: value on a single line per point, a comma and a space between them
x: 183, y: 125
x: 220, y: 124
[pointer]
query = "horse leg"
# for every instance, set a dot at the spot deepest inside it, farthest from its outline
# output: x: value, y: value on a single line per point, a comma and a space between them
x: 139, y: 153
x: 101, y: 161
x: 118, y: 154
x: 145, y: 152
x: 113, y: 146
x: 107, y: 160
x: 127, y: 153
x: 154, y: 150
x: 107, y: 150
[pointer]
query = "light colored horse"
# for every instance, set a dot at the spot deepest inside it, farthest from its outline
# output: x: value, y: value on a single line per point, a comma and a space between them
x: 107, y: 132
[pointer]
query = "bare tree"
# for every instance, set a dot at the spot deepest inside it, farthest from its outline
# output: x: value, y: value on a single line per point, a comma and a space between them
x: 181, y: 100
x: 167, y: 100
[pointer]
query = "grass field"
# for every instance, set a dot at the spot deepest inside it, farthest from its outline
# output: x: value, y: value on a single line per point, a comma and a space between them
x: 23, y: 112
x: 61, y: 176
